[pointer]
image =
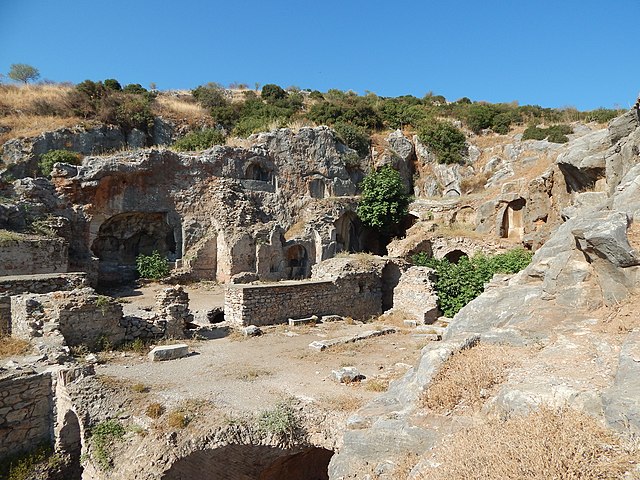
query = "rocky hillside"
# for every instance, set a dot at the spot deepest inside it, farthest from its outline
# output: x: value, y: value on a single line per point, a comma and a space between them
x: 570, y: 321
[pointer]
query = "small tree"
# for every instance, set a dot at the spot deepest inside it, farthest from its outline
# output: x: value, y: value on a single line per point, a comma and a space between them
x: 153, y: 267
x: 21, y: 72
x: 384, y: 201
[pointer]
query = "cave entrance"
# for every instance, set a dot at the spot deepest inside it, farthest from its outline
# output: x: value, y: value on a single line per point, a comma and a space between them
x: 258, y: 462
x: 352, y: 236
x: 513, y: 220
x: 123, y: 237
x: 454, y: 256
x: 297, y: 262
x: 258, y: 172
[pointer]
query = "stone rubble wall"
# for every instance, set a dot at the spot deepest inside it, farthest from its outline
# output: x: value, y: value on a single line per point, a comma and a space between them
x: 26, y: 405
x: 415, y: 296
x: 32, y: 256
x: 42, y: 283
x: 276, y: 303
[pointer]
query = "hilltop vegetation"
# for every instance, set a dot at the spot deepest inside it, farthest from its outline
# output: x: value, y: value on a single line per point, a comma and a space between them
x: 240, y: 112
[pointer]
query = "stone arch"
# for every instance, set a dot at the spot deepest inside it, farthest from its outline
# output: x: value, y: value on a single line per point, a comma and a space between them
x: 454, y: 256
x: 513, y: 220
x: 465, y: 215
x: 255, y: 171
x: 347, y: 233
x: 259, y: 462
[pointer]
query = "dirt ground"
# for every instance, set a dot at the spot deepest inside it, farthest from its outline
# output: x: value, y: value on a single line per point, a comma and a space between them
x: 251, y: 374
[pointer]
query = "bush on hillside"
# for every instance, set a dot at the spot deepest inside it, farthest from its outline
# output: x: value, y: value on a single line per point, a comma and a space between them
x: 47, y: 160
x: 199, y: 140
x: 354, y: 137
x: 554, y: 133
x: 445, y: 140
x: 459, y: 283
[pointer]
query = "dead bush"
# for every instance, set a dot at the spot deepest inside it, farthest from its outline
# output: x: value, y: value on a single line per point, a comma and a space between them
x: 465, y: 378
x: 546, y: 444
x: 154, y: 410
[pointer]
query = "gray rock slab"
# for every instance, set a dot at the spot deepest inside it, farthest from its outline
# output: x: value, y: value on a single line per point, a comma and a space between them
x: 321, y: 345
x: 168, y: 352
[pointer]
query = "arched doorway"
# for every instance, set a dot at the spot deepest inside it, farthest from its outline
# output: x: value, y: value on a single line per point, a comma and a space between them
x: 513, y: 220
x: 454, y: 256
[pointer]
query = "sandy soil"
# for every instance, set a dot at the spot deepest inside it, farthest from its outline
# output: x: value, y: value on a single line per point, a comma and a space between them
x: 250, y: 374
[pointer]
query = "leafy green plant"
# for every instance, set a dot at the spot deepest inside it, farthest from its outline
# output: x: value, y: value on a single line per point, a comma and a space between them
x: 384, y: 201
x: 271, y: 93
x: 153, y: 266
x: 280, y: 421
x: 102, y: 436
x: 27, y: 465
x: 200, y: 140
x: 48, y: 159
x: 21, y: 72
x: 459, y: 283
x: 444, y: 139
x: 554, y: 133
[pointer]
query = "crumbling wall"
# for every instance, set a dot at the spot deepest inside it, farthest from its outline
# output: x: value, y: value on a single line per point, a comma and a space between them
x: 42, y: 283
x: 33, y: 255
x: 80, y: 316
x: 415, y: 296
x: 26, y: 405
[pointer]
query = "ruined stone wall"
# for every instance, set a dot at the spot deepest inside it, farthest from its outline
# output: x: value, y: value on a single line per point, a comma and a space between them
x: 5, y: 315
x: 31, y: 256
x: 275, y: 303
x: 81, y: 317
x: 42, y: 283
x: 26, y: 405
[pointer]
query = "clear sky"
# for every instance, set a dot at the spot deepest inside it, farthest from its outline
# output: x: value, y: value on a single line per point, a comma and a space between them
x: 554, y: 53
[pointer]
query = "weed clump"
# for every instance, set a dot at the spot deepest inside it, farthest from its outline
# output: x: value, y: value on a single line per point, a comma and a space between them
x: 103, y: 435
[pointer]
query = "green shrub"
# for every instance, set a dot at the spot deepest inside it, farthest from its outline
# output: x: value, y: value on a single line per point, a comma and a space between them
x: 199, y: 140
x: 602, y: 115
x: 153, y: 267
x: 133, y: 111
x: 459, y: 283
x: 479, y: 117
x: 280, y: 421
x: 31, y: 464
x: 47, y: 160
x: 444, y: 139
x: 112, y: 84
x: 102, y: 436
x: 271, y: 93
x: 210, y: 95
x: 554, y: 133
x: 384, y: 201
x: 133, y: 88
x: 354, y: 137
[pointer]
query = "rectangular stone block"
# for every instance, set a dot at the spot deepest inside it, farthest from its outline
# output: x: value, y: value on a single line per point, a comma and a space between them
x: 168, y: 352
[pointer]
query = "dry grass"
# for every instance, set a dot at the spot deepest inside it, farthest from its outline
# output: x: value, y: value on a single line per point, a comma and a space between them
x: 458, y: 230
x: 466, y: 377
x: 377, y: 385
x: 139, y: 388
x: 177, y: 419
x: 10, y: 347
x: 249, y: 374
x: 343, y: 403
x: 546, y: 444
x: 154, y: 410
x: 181, y: 108
x: 474, y: 183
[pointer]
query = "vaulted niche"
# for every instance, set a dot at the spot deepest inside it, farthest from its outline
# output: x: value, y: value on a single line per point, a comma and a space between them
x: 123, y: 237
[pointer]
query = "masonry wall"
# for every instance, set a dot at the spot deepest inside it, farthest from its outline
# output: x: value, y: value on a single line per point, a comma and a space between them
x: 359, y: 298
x: 26, y: 405
x: 42, y: 283
x: 30, y: 256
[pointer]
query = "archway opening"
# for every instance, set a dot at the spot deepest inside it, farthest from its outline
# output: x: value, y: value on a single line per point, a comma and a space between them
x: 69, y: 444
x: 352, y: 236
x: 258, y: 172
x: 513, y: 220
x: 123, y: 237
x: 454, y: 256
x: 297, y: 260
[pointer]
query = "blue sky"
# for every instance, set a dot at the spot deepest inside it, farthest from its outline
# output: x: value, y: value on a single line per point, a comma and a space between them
x: 558, y: 53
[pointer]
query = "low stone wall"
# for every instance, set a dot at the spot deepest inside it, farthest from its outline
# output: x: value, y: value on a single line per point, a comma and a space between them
x: 275, y: 303
x: 82, y: 317
x: 26, y: 409
x: 5, y: 315
x: 42, y: 283
x: 27, y: 256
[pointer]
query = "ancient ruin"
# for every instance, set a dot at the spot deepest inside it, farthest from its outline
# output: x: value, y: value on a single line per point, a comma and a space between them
x: 275, y: 280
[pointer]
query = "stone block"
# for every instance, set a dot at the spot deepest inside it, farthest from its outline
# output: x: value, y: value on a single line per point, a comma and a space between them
x: 168, y: 352
x: 303, y: 321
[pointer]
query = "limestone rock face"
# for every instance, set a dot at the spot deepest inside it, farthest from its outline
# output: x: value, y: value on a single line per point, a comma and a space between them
x: 401, y: 156
x: 589, y: 262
